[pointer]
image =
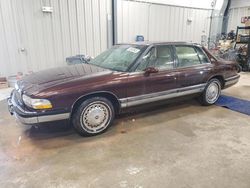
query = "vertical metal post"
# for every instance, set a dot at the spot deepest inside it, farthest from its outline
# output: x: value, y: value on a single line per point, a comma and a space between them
x: 225, y: 18
x: 112, y: 24
x: 216, y: 22
x: 110, y: 30
x: 114, y: 21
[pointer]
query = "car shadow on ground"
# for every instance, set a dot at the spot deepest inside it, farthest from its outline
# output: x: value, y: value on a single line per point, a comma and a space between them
x: 65, y: 129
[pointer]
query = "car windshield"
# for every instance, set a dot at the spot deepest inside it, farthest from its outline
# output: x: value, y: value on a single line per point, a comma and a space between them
x: 118, y: 58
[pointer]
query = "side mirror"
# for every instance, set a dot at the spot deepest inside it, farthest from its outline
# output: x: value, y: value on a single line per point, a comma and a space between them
x: 88, y: 58
x: 150, y: 70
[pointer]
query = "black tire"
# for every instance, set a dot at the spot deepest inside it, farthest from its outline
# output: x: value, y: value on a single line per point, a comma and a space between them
x: 83, y: 118
x: 204, y: 98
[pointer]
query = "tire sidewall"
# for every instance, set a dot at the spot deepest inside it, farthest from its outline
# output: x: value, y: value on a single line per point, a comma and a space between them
x: 77, y: 117
x: 205, y: 100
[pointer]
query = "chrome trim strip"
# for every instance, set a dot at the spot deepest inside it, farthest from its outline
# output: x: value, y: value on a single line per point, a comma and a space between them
x: 231, y: 82
x: 42, y: 119
x: 55, y: 117
x: 232, y: 78
x: 30, y: 120
x: 152, y: 97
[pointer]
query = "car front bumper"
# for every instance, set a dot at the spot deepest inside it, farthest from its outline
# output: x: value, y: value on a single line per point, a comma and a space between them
x: 32, y: 117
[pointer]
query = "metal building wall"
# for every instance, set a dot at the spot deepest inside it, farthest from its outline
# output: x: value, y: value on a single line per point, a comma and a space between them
x: 159, y: 22
x: 32, y: 40
x: 235, y: 15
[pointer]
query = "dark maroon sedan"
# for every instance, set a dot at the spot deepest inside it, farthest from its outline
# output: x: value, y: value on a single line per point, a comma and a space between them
x: 124, y: 76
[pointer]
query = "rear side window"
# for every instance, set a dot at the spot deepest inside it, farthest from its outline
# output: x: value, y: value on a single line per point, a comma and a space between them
x: 187, y: 56
x: 202, y: 56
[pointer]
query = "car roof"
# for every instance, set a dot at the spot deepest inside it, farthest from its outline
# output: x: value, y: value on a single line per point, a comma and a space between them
x: 148, y: 43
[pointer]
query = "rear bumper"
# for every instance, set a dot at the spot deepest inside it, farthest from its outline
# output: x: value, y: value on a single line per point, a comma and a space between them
x: 231, y: 80
x: 29, y: 118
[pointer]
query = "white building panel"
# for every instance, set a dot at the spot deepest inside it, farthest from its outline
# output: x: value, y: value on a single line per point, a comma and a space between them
x: 32, y: 40
x: 235, y: 15
x: 159, y: 22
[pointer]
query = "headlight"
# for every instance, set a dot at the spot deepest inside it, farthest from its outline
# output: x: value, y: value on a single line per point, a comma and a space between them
x: 37, y: 104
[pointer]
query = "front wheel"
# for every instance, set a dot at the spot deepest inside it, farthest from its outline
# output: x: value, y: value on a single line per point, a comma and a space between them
x: 93, y: 116
x: 211, y: 93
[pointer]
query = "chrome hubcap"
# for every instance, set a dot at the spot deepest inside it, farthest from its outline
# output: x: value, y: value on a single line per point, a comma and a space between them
x: 95, y: 117
x: 213, y: 92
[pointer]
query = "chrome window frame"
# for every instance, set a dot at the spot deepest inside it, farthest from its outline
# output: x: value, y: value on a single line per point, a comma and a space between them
x: 204, y: 53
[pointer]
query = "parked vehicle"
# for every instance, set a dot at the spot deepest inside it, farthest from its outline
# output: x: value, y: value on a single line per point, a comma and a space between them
x: 127, y: 75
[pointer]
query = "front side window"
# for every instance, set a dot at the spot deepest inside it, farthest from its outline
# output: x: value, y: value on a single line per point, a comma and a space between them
x: 119, y: 57
x: 159, y: 57
x: 187, y: 56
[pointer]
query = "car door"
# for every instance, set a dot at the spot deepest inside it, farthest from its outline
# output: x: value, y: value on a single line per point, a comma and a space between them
x: 151, y: 87
x: 193, y: 66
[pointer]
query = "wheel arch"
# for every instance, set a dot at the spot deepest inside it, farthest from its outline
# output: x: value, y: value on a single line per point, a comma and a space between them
x: 220, y: 78
x: 106, y: 94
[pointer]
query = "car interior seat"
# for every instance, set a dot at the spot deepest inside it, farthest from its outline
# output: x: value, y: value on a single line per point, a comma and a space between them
x: 164, y: 58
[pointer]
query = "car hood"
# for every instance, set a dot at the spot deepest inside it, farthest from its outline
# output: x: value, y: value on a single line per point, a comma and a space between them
x: 52, y: 77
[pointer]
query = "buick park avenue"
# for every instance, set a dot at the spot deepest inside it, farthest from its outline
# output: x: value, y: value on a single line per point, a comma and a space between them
x: 89, y: 95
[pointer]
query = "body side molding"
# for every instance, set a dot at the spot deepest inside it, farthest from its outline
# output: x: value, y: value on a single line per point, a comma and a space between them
x: 152, y: 97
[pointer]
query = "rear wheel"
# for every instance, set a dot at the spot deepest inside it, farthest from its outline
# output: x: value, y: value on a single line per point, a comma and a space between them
x: 211, y: 93
x: 93, y: 116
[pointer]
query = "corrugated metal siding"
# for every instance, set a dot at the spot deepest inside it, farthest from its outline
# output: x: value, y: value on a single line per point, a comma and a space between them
x: 8, y: 39
x: 160, y: 22
x: 235, y: 15
x: 31, y: 40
